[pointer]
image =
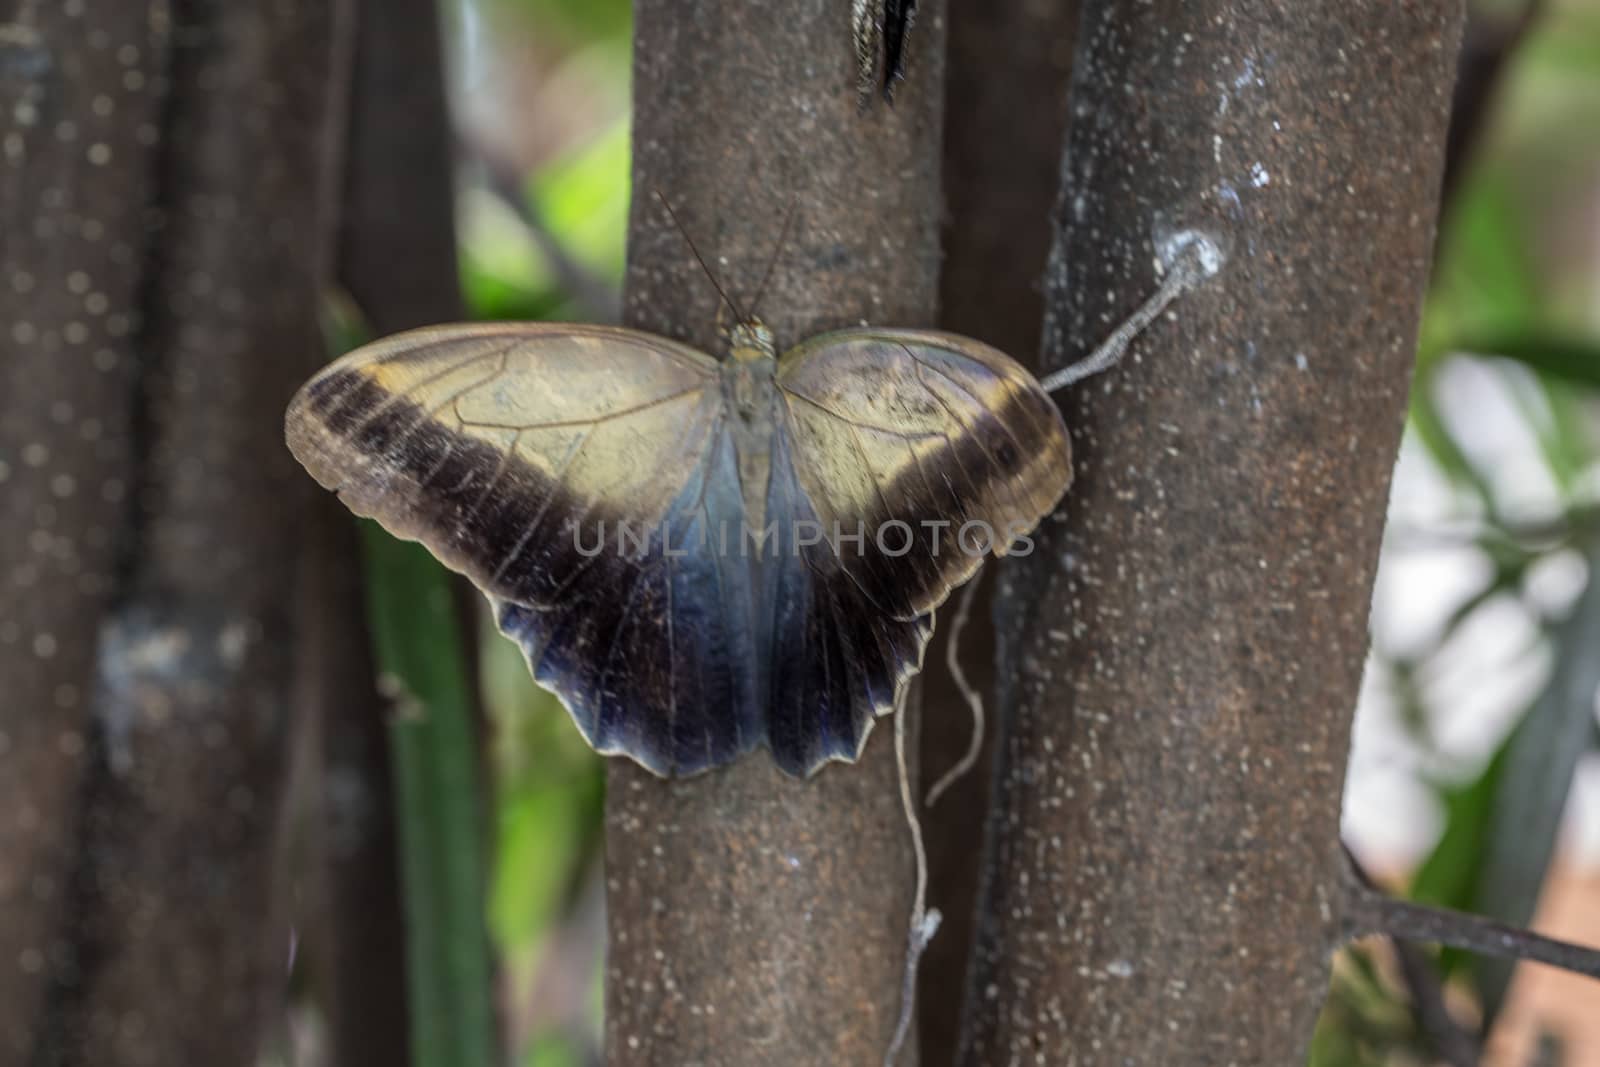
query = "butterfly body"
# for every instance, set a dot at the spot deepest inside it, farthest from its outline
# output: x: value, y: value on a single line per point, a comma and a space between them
x: 699, y: 557
x: 751, y: 394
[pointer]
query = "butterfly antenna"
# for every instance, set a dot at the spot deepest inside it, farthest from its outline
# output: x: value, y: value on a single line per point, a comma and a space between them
x: 783, y: 235
x: 699, y: 258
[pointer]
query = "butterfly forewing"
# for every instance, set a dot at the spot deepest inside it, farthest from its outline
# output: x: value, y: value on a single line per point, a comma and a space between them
x: 902, y: 457
x: 935, y: 446
x: 517, y: 454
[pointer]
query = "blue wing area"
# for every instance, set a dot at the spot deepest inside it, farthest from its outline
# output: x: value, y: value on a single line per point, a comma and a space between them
x: 651, y: 644
x: 832, y: 659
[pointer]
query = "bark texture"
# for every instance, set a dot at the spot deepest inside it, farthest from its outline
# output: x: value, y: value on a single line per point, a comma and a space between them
x: 1002, y: 159
x: 755, y: 918
x: 169, y: 157
x: 1183, y: 648
x: 72, y: 245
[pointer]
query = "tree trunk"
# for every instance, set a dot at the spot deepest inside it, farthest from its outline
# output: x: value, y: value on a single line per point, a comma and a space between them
x: 72, y: 237
x: 755, y: 918
x: 1181, y: 652
x: 170, y: 158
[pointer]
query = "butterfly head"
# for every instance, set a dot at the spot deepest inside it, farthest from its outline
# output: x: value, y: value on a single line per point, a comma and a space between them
x: 748, y: 372
x: 749, y: 341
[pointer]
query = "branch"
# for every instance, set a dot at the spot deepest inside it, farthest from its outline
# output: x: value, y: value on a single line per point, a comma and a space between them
x: 1370, y: 911
x: 1448, y: 1037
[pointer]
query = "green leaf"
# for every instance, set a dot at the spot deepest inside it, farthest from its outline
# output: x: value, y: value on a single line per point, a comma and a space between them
x: 1565, y: 356
x: 1449, y: 876
x: 422, y: 659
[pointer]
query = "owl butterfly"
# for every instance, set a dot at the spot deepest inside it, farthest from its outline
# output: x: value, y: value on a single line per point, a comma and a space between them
x: 700, y: 557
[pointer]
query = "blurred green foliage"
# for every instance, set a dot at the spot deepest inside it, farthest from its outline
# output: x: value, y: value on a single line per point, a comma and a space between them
x: 546, y: 243
x: 1505, y: 291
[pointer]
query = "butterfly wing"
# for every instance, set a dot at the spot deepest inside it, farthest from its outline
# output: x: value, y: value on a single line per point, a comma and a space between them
x: 519, y: 455
x: 922, y: 449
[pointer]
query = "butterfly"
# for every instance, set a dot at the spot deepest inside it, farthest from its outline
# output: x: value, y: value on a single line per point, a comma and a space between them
x: 698, y: 556
x: 879, y: 30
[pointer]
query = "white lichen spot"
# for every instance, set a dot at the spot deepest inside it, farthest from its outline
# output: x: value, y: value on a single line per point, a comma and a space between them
x: 1300, y: 361
x: 1258, y: 175
x: 1207, y: 252
x: 1120, y: 969
x: 233, y: 641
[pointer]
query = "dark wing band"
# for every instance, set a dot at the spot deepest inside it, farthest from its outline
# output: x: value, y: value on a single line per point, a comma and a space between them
x: 903, y: 456
x: 924, y: 450
x: 565, y: 470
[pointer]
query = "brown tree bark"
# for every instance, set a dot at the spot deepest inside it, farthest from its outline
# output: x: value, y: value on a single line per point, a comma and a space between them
x: 72, y: 243
x: 1182, y: 650
x: 176, y: 151
x: 1005, y: 114
x: 755, y: 918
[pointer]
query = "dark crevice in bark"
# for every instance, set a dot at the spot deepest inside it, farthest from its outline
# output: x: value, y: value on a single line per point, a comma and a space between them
x: 1006, y: 99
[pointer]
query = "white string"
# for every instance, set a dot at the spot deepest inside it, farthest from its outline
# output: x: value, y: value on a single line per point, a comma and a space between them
x: 924, y: 922
x: 974, y: 699
x: 1193, y: 260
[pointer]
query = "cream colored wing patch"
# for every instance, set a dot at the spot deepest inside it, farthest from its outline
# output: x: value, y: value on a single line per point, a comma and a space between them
x: 935, y: 448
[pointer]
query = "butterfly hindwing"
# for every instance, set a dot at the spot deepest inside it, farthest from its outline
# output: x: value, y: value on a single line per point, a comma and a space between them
x: 834, y: 660
x: 652, y: 648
